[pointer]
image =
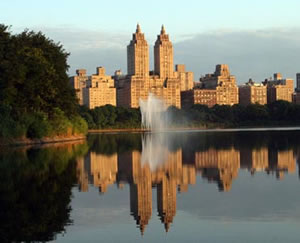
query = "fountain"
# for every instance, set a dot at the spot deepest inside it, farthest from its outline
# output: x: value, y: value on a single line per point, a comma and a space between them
x: 153, y: 113
x: 154, y: 150
x: 155, y: 119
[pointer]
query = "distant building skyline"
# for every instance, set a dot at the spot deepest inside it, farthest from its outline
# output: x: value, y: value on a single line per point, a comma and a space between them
x: 175, y: 88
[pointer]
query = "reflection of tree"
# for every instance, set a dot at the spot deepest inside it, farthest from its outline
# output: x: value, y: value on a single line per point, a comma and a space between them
x: 112, y: 143
x: 35, y: 192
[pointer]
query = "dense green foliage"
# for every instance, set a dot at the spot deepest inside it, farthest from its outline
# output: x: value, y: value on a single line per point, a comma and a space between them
x: 36, y: 99
x: 109, y: 116
x: 277, y: 113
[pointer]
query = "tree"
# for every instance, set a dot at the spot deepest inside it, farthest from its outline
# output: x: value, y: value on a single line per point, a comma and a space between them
x: 33, y: 74
x: 34, y: 88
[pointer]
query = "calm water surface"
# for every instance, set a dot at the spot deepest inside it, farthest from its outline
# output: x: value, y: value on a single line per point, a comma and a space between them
x: 230, y: 186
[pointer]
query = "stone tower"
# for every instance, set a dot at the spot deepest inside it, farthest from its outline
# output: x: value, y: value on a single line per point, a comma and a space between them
x: 163, y: 55
x: 138, y: 55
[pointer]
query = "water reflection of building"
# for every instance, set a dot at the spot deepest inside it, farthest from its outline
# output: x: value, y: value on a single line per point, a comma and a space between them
x: 82, y: 175
x: 98, y: 169
x: 219, y: 165
x: 103, y: 170
x: 281, y: 162
x: 216, y: 165
x: 255, y: 159
x: 167, y: 177
x: 270, y: 160
x: 140, y: 191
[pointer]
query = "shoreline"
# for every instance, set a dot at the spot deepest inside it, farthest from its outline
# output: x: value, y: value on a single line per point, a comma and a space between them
x: 42, y: 141
x: 242, y: 128
x: 45, y: 141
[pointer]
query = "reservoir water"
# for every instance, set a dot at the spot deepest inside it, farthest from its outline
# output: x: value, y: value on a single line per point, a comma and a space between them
x: 195, y: 186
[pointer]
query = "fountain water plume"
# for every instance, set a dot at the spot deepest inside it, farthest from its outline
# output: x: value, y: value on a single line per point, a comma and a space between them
x: 153, y: 113
x: 154, y: 150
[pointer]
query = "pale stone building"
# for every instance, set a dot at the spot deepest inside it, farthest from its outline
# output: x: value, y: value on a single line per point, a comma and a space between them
x: 163, y: 82
x: 279, y: 88
x: 100, y: 90
x: 163, y: 56
x: 138, y: 55
x: 252, y: 93
x: 217, y: 88
x: 78, y: 82
x: 223, y: 83
x: 186, y: 78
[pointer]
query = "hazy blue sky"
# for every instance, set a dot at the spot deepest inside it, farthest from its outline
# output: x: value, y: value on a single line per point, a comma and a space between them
x: 97, y: 32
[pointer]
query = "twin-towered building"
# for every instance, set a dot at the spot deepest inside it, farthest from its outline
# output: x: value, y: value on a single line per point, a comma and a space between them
x: 127, y: 90
x: 176, y: 87
x: 163, y: 82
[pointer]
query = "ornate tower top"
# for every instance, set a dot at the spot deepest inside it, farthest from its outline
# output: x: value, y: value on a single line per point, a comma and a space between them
x: 138, y: 28
x: 138, y: 54
x: 163, y: 31
x: 163, y: 36
x: 138, y: 35
x: 163, y: 55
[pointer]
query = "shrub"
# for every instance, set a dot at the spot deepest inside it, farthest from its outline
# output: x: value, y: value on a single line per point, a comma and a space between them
x: 79, y: 125
x: 39, y: 126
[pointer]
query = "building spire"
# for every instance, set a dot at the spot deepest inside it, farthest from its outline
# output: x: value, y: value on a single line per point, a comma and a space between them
x: 163, y: 31
x: 138, y: 28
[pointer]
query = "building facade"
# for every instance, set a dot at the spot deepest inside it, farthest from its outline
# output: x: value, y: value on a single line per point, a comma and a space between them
x: 298, y: 82
x: 163, y: 82
x: 199, y: 96
x: 186, y: 78
x: 163, y: 55
x: 296, y: 98
x: 78, y: 82
x: 100, y: 90
x: 138, y: 55
x: 252, y: 93
x: 279, y: 88
x: 224, y: 84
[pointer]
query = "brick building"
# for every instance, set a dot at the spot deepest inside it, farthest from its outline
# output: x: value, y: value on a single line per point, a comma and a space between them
x: 252, y: 93
x: 279, y: 88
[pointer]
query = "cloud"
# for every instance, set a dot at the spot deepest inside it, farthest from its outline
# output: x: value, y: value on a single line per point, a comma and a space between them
x: 255, y: 54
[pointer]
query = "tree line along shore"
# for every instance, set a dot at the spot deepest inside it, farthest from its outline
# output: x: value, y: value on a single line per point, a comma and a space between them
x: 38, y: 104
x: 279, y: 113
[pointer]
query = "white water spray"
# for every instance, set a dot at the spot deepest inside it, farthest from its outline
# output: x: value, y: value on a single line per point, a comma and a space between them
x: 154, y: 150
x: 153, y: 113
x: 154, y: 118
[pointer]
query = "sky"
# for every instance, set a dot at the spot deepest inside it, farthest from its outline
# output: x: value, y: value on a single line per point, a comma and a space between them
x: 256, y: 38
